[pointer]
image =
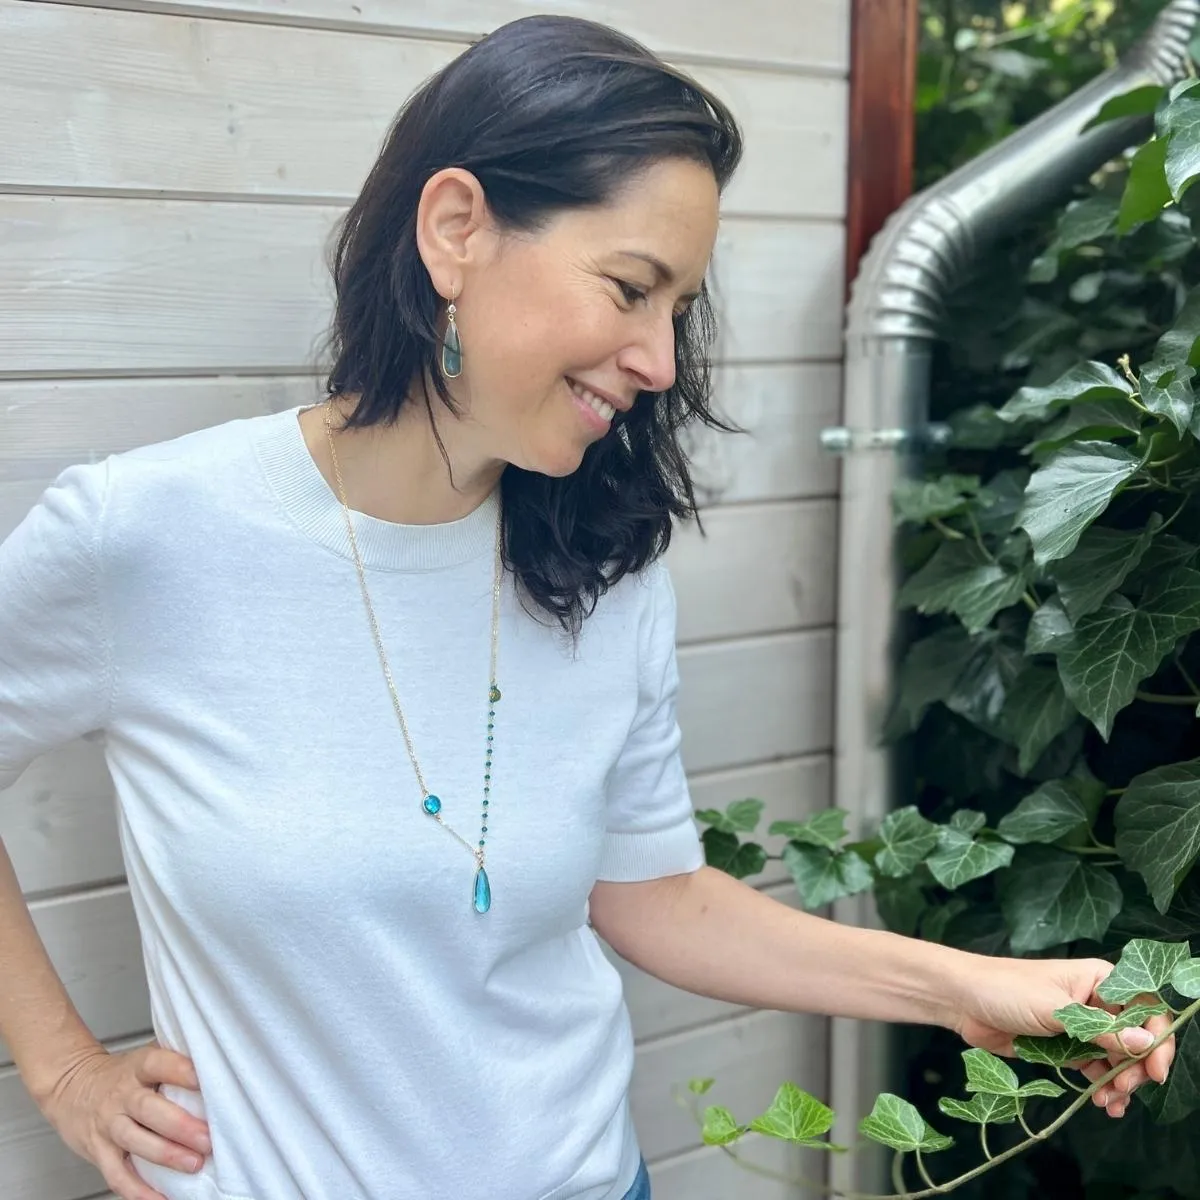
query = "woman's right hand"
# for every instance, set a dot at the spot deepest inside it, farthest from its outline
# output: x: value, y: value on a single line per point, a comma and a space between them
x: 108, y: 1105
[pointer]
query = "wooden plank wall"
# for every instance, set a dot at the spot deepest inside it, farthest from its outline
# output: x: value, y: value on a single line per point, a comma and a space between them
x: 169, y: 175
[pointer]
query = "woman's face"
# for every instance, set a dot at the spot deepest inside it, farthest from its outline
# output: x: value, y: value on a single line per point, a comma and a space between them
x: 561, y: 327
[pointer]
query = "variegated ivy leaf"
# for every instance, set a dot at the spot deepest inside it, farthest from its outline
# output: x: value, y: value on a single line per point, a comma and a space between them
x: 1185, y: 978
x: 968, y: 821
x: 1040, y: 1087
x: 981, y: 1109
x: 987, y: 1073
x: 742, y: 816
x: 896, y: 1123
x: 720, y: 1128
x: 1144, y: 966
x: 699, y: 1086
x: 1087, y: 1024
x: 822, y: 876
x: 794, y: 1116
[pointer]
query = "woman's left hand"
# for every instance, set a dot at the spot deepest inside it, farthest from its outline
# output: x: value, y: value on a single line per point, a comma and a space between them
x: 1008, y: 997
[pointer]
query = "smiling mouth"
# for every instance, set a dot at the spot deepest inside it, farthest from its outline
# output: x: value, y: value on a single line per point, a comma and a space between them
x: 601, y: 407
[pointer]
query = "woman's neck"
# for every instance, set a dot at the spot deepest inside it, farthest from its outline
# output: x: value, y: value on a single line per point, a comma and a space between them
x: 397, y: 472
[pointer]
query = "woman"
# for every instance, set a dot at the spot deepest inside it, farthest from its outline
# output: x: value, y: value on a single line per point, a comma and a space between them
x: 389, y: 683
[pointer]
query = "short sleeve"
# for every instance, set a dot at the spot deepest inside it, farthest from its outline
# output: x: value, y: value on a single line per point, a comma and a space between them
x: 650, y: 830
x: 54, y: 677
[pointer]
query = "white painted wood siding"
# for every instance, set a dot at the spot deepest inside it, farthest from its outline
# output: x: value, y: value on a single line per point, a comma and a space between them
x: 169, y: 175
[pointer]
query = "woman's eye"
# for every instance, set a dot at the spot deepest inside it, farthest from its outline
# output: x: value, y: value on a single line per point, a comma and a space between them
x: 632, y: 295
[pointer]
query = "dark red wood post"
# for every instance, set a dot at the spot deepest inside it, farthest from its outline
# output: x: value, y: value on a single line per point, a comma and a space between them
x: 883, y: 70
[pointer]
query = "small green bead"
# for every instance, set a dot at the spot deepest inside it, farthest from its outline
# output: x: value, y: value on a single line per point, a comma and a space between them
x: 481, y: 843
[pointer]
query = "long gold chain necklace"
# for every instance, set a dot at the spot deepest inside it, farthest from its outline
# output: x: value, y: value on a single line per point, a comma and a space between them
x: 430, y: 803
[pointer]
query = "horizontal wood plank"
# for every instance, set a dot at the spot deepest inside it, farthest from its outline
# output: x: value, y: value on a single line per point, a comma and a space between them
x: 47, y: 425
x: 200, y: 287
x: 748, y: 1056
x: 756, y: 31
x: 757, y: 568
x: 312, y: 125
x: 711, y: 1172
x: 746, y: 701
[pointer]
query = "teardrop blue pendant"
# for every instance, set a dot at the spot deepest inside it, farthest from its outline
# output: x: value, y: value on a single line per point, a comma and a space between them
x: 483, y: 891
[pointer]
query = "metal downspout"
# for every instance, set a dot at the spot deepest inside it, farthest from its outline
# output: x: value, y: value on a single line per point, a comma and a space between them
x: 893, y: 319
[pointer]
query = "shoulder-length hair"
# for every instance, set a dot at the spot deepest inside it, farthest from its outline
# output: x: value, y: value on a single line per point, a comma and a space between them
x: 548, y: 113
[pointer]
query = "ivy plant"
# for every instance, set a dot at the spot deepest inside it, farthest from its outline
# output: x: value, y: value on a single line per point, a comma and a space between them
x: 1048, y: 696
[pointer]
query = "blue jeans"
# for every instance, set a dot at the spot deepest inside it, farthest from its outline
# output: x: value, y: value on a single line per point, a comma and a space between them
x: 641, y: 1185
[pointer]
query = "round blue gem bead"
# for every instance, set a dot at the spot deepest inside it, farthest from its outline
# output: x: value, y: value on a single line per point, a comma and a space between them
x: 432, y: 805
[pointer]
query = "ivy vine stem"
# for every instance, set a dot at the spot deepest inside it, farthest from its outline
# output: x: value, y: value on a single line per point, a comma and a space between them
x: 923, y: 1171
x: 953, y: 534
x: 1154, y: 698
x: 994, y: 1161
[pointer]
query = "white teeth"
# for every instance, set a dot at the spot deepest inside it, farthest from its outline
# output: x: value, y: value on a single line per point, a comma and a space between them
x: 602, y: 407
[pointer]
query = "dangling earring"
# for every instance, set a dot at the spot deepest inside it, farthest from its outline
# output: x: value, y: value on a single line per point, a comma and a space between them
x: 451, y: 347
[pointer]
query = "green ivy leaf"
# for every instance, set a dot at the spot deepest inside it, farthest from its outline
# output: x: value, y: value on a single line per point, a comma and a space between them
x: 1158, y: 827
x: 1051, y: 896
x: 1000, y: 500
x: 968, y: 821
x: 1179, y: 1097
x: 1049, y: 629
x: 981, y: 690
x: 907, y: 838
x: 822, y: 877
x: 981, y: 1109
x: 1144, y: 966
x: 1113, y: 649
x: 1040, y: 1087
x: 1185, y: 978
x: 937, y: 920
x: 929, y: 672
x: 1100, y: 421
x: 896, y: 1123
x: 1044, y: 816
x: 1180, y: 126
x: 826, y: 828
x: 918, y: 500
x: 1147, y: 192
x: 1099, y: 565
x: 739, y: 859
x: 698, y: 1087
x: 1166, y: 552
x: 794, y: 1116
x: 901, y: 903
x: 1084, y: 383
x: 962, y: 579
x: 1087, y: 1024
x: 1036, y: 711
x: 987, y: 1073
x: 1069, y: 492
x: 1055, y: 1051
x: 1179, y: 345
x: 960, y: 858
x: 1167, y: 392
x: 719, y: 1127
x: 1140, y: 101
x: 742, y: 816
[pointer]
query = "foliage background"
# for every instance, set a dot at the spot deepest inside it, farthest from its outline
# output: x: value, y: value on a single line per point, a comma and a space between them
x: 1041, y: 736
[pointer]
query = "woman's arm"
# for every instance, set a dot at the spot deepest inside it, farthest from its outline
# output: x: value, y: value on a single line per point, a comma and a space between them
x: 714, y: 935
x: 42, y: 1027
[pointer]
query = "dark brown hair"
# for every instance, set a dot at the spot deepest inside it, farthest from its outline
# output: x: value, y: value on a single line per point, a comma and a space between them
x: 549, y: 113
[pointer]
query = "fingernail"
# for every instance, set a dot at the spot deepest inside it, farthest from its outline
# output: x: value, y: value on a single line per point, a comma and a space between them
x: 193, y: 1163
x: 1101, y: 1097
x: 1136, y: 1040
x: 205, y: 1144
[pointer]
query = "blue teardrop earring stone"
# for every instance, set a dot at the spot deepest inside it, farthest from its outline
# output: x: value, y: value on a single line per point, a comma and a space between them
x: 483, y: 891
x: 452, y: 350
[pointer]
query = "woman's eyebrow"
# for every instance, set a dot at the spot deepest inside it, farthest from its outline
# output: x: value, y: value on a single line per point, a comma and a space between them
x: 661, y: 269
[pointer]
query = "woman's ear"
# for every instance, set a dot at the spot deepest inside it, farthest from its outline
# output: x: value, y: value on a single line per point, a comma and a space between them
x: 453, y: 228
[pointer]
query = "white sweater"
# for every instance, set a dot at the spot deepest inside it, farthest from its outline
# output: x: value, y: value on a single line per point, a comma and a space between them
x: 360, y: 1032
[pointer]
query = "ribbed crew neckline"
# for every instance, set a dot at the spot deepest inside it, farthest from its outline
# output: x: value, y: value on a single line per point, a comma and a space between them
x: 384, y: 545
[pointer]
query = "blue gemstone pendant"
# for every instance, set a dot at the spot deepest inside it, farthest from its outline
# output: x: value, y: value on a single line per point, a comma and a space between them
x: 483, y: 891
x: 432, y: 805
x: 452, y: 349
